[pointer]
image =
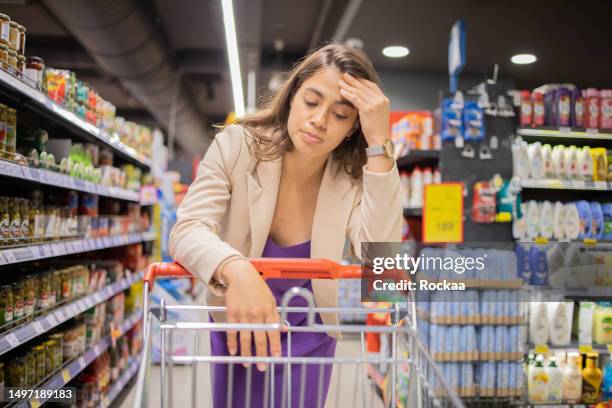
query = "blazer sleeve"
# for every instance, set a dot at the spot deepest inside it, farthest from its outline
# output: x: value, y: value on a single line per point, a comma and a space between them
x: 194, y: 240
x: 377, y: 215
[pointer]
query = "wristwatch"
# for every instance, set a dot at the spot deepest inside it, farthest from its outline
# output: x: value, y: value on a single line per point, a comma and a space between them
x: 386, y: 149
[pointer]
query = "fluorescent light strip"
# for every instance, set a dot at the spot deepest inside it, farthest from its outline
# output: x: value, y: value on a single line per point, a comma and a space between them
x: 232, y: 53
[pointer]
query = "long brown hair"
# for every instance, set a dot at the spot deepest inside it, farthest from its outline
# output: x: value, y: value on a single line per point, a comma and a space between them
x: 350, y: 154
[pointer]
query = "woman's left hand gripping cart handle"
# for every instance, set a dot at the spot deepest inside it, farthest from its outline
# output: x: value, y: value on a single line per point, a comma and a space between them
x: 165, y: 270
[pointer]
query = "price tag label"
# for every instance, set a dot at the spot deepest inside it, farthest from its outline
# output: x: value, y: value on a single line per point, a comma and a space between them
x: 78, y: 246
x: 541, y: 348
x: 47, y: 251
x: 97, y: 349
x: 56, y: 249
x: 12, y: 340
x: 10, y: 256
x: 62, y: 247
x: 89, y: 302
x: 610, y: 348
x: 117, y: 240
x: 51, y: 320
x: 592, y: 131
x: 66, y: 375
x: 82, y: 363
x: 443, y: 213
x: 565, y: 130
x: 42, y: 176
x: 2, y: 260
x: 106, y: 242
x: 60, y: 315
x: 69, y: 247
x: 97, y: 297
x: 578, y: 183
x: 37, y: 327
x: 601, y: 185
x: 585, y: 348
x: 35, y: 403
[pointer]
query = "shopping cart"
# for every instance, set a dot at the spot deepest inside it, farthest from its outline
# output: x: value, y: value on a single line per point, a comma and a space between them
x: 404, y: 376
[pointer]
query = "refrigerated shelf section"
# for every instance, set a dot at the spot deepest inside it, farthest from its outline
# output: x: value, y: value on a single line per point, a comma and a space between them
x: 19, y: 90
x: 53, y: 318
x: 35, y: 252
x: 74, y: 368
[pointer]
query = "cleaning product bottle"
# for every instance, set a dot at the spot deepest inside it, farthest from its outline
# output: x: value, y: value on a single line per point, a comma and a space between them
x: 605, y: 114
x: 526, y: 109
x: 591, y: 380
x: 607, y: 217
x: 555, y: 382
x: 602, y: 323
x: 606, y: 388
x: 578, y: 111
x: 572, y: 379
x: 538, y: 381
x: 592, y: 108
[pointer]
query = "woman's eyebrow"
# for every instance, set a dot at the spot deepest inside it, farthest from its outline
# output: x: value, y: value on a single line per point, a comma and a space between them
x: 338, y: 102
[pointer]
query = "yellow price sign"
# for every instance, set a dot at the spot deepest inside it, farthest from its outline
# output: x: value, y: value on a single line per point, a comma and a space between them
x: 443, y: 213
x: 66, y: 376
x: 35, y: 403
x: 541, y: 348
x: 610, y: 348
x: 585, y: 348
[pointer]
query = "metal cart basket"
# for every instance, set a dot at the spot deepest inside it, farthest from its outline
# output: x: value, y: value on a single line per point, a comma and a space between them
x: 404, y: 376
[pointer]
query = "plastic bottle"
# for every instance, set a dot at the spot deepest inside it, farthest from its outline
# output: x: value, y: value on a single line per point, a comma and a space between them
x: 538, y: 382
x: 538, y: 109
x: 526, y: 118
x: 572, y: 379
x: 578, y: 110
x: 555, y: 382
x: 605, y: 114
x: 607, y: 218
x: 562, y: 111
x: 606, y: 388
x: 416, y: 188
x: 591, y: 380
x: 592, y: 108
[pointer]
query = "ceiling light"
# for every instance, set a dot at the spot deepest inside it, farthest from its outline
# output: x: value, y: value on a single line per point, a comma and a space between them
x: 523, y: 59
x: 395, y: 51
x: 232, y: 54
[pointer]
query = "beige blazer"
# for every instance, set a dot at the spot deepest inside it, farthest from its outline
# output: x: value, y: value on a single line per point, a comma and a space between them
x: 228, y: 211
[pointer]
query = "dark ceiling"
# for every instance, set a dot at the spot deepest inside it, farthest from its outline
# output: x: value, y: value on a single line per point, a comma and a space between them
x: 570, y: 38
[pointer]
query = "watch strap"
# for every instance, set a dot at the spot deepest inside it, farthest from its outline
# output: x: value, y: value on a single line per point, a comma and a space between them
x: 375, y: 151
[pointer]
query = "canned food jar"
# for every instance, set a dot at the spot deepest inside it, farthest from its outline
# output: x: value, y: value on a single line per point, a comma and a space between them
x: 41, y: 370
x: 66, y: 284
x: 22, y: 38
x: 4, y: 56
x: 12, y: 62
x: 6, y: 306
x: 24, y: 210
x: 49, y: 356
x: 17, y: 300
x: 5, y: 221
x: 34, y: 70
x: 14, y: 40
x: 5, y: 27
x: 15, y: 225
x: 58, y: 351
x: 11, y: 133
x: 30, y: 358
x: 15, y: 372
x: 21, y: 60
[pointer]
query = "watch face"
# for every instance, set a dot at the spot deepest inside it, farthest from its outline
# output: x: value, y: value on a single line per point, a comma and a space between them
x: 389, y: 148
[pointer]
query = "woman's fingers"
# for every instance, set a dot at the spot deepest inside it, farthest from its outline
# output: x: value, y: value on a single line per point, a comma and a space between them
x: 363, y: 84
x: 274, y: 336
x: 232, y: 337
x: 245, y: 345
x: 353, y: 98
x: 364, y: 93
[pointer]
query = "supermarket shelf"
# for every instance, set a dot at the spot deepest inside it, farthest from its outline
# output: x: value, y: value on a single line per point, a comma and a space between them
x: 566, y: 133
x: 148, y: 195
x: 595, y: 293
x: 74, y: 368
x: 18, y: 89
x: 574, y: 346
x: 35, y: 252
x: 413, y: 212
x: 20, y: 335
x: 587, y: 242
x: 418, y: 157
x: 121, y: 382
x: 53, y: 178
x: 553, y: 184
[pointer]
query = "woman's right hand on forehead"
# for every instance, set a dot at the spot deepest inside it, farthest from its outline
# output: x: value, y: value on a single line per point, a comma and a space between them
x: 249, y: 300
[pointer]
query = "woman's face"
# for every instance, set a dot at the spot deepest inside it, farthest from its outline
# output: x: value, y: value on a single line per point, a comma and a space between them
x: 319, y: 118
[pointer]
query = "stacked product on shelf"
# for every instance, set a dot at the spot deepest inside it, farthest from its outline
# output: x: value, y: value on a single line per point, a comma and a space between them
x: 413, y: 185
x: 564, y: 221
x: 65, y: 89
x: 538, y: 161
x: 475, y: 334
x: 415, y: 131
x: 564, y: 105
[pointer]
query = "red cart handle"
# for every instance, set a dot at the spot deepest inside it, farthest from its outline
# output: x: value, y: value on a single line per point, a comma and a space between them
x: 269, y: 268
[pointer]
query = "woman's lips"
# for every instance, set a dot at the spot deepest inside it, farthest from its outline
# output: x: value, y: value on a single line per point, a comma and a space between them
x: 310, y: 138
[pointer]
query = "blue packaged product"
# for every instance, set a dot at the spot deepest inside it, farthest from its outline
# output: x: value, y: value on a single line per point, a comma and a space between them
x: 584, y: 212
x: 433, y: 337
x: 539, y: 267
x: 523, y: 263
x: 473, y: 122
x: 500, y: 339
x: 607, y: 219
x: 452, y: 123
x: 597, y: 220
x: 513, y: 339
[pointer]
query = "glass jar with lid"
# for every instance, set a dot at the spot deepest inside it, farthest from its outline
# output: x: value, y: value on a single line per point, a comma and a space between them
x: 5, y: 22
x: 21, y: 60
x: 11, y: 133
x: 15, y: 225
x: 22, y: 39
x: 14, y: 36
x: 6, y: 307
x: 35, y: 67
x: 17, y: 301
x: 3, y: 113
x: 12, y: 61
x: 4, y: 50
x: 5, y: 221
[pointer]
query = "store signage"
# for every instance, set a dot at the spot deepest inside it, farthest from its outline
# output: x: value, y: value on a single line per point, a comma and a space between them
x: 443, y: 213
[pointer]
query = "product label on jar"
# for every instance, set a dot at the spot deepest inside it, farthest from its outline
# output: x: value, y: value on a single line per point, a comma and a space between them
x: 50, y: 226
x: 564, y: 111
x: 18, y: 309
x: 43, y: 302
x: 25, y: 229
x: 11, y: 138
x: 71, y: 349
x: 15, y: 229
x: 39, y: 226
x: 5, y: 230
x: 29, y: 307
x: 4, y: 31
x: 2, y: 135
x: 8, y: 313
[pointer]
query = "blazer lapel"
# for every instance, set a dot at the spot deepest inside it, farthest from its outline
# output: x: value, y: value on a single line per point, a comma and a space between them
x: 262, y: 191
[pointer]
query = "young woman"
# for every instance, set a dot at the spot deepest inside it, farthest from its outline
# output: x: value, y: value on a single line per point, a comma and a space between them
x: 298, y: 178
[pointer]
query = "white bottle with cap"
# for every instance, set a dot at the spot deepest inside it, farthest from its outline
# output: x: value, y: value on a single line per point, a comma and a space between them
x: 521, y: 159
x: 558, y: 161
x: 532, y: 220
x: 546, y: 219
x: 416, y: 189
x: 585, y: 163
x: 572, y: 221
x: 549, y: 169
x: 571, y: 162
x: 559, y: 221
x: 536, y: 160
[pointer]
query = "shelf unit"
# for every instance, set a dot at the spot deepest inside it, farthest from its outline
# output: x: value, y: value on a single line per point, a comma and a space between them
x: 122, y: 381
x: 54, y: 317
x: 74, y: 367
x: 566, y: 133
x: 32, y: 99
x: 35, y: 252
x: 554, y: 184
